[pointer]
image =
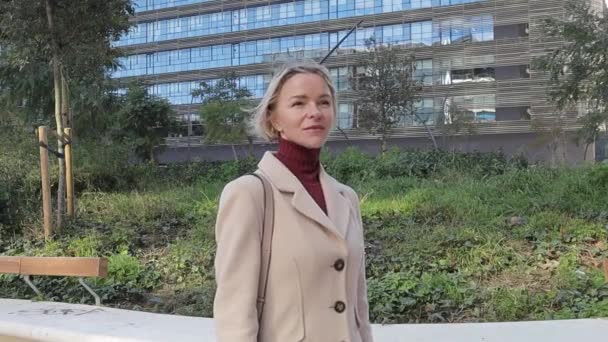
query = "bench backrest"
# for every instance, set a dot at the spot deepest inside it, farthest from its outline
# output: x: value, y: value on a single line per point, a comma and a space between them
x: 55, y: 266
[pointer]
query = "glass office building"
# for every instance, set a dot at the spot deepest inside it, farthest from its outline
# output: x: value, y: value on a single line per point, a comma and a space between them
x: 473, y: 53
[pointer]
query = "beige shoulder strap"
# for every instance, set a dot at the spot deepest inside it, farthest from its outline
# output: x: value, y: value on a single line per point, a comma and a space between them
x: 267, y: 231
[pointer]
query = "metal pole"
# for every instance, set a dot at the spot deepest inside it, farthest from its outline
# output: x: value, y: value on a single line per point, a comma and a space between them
x: 90, y: 290
x: 27, y: 279
x: 340, y: 42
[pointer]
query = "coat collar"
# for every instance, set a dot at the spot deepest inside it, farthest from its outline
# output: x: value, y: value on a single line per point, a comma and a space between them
x: 338, y: 205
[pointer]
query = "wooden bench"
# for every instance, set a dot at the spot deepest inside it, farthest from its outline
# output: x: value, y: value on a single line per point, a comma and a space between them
x: 55, y: 266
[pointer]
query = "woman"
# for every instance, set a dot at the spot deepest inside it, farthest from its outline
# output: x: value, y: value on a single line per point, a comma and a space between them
x: 316, y: 289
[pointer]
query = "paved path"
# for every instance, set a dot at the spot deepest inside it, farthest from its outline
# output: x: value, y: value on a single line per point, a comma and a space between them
x: 59, y: 322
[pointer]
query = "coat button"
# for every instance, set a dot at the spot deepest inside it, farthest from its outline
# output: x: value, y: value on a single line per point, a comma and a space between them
x: 340, y: 306
x: 339, y: 265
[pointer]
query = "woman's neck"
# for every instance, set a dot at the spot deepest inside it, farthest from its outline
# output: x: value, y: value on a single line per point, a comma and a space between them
x: 303, y: 162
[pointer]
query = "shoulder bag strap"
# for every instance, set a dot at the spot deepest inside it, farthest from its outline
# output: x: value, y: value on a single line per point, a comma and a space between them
x: 267, y: 231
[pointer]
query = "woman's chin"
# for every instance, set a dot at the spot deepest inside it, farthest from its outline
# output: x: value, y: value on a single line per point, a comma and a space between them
x: 315, y: 143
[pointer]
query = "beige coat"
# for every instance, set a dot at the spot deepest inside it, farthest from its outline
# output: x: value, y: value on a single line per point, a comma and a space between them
x: 316, y: 285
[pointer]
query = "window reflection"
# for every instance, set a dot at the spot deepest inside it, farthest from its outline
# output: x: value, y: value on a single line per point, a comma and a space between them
x: 294, y: 12
x: 283, y: 48
x: 180, y: 93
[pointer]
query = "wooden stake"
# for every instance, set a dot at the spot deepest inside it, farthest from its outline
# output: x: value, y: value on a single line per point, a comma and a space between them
x: 606, y: 270
x: 69, y: 174
x: 46, y: 182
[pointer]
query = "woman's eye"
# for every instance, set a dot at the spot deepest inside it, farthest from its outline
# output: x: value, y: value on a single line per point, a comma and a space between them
x: 325, y: 103
x: 296, y: 104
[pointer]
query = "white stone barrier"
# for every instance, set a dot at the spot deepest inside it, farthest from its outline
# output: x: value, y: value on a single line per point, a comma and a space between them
x: 23, y: 320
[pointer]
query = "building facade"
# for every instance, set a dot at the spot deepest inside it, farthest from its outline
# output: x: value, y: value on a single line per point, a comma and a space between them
x: 476, y: 54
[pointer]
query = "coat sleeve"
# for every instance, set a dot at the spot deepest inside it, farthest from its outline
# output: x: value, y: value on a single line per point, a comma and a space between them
x: 237, y: 261
x: 365, y: 327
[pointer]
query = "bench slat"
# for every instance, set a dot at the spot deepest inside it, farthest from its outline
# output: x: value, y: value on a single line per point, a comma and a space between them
x: 10, y: 265
x: 55, y: 266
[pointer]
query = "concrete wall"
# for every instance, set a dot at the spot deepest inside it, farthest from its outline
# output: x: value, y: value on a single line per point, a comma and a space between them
x: 532, y: 146
x: 61, y: 322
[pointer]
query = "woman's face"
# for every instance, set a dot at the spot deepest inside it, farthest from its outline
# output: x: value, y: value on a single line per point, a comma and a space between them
x: 304, y: 112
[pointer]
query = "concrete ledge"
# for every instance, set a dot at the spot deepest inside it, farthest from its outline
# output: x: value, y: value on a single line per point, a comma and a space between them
x: 24, y: 320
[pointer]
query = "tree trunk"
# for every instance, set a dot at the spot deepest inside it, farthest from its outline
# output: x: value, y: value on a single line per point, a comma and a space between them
x: 57, y: 84
x: 250, y: 141
x: 428, y: 131
x: 151, y: 155
x: 383, y: 144
x: 65, y: 102
x: 236, y: 158
x: 563, y: 147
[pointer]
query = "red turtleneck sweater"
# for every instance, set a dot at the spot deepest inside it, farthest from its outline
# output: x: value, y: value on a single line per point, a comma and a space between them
x: 304, y: 164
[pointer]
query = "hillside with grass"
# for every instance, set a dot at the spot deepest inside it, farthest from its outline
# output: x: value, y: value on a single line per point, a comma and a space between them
x: 449, y: 237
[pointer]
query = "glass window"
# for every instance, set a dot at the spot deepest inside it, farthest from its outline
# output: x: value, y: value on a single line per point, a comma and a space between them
x: 174, y: 29
x: 140, y: 5
x: 396, y: 34
x: 458, y: 31
x: 158, y: 4
x: 367, y: 7
x: 484, y: 108
x: 137, y: 35
x: 424, y: 112
x: 255, y: 84
x: 181, y: 92
x: 482, y: 28
x: 392, y: 5
x: 484, y: 75
x: 462, y: 76
x: 416, y: 32
x: 478, y: 107
x: 345, y: 8
x: 424, y: 71
x: 311, y: 46
x: 420, y: 4
x: 340, y: 78
x: 469, y: 75
x: 264, y: 16
x: 297, y: 11
x: 345, y: 117
x: 288, y: 12
x: 243, y: 19
x: 363, y: 35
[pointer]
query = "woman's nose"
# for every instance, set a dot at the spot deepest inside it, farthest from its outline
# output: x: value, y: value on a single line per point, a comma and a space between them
x: 313, y: 111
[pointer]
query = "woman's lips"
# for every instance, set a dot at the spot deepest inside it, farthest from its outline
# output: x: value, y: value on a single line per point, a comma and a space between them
x: 315, y: 128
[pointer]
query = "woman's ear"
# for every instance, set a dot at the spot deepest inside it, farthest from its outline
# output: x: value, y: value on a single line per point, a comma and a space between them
x: 273, y: 122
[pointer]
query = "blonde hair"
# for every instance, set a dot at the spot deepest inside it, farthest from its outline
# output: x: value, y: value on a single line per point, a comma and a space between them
x: 261, y: 124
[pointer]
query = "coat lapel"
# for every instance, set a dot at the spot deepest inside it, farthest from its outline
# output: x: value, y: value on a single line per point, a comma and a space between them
x: 306, y: 205
x: 338, y: 207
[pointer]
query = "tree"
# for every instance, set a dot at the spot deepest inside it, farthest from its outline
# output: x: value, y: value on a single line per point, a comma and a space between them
x: 577, y: 69
x: 82, y: 32
x: 52, y: 45
x: 25, y: 91
x: 223, y: 112
x: 144, y: 120
x: 387, y: 89
x: 454, y: 119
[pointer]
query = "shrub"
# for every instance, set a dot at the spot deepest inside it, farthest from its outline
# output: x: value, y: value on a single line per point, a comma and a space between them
x: 123, y: 269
